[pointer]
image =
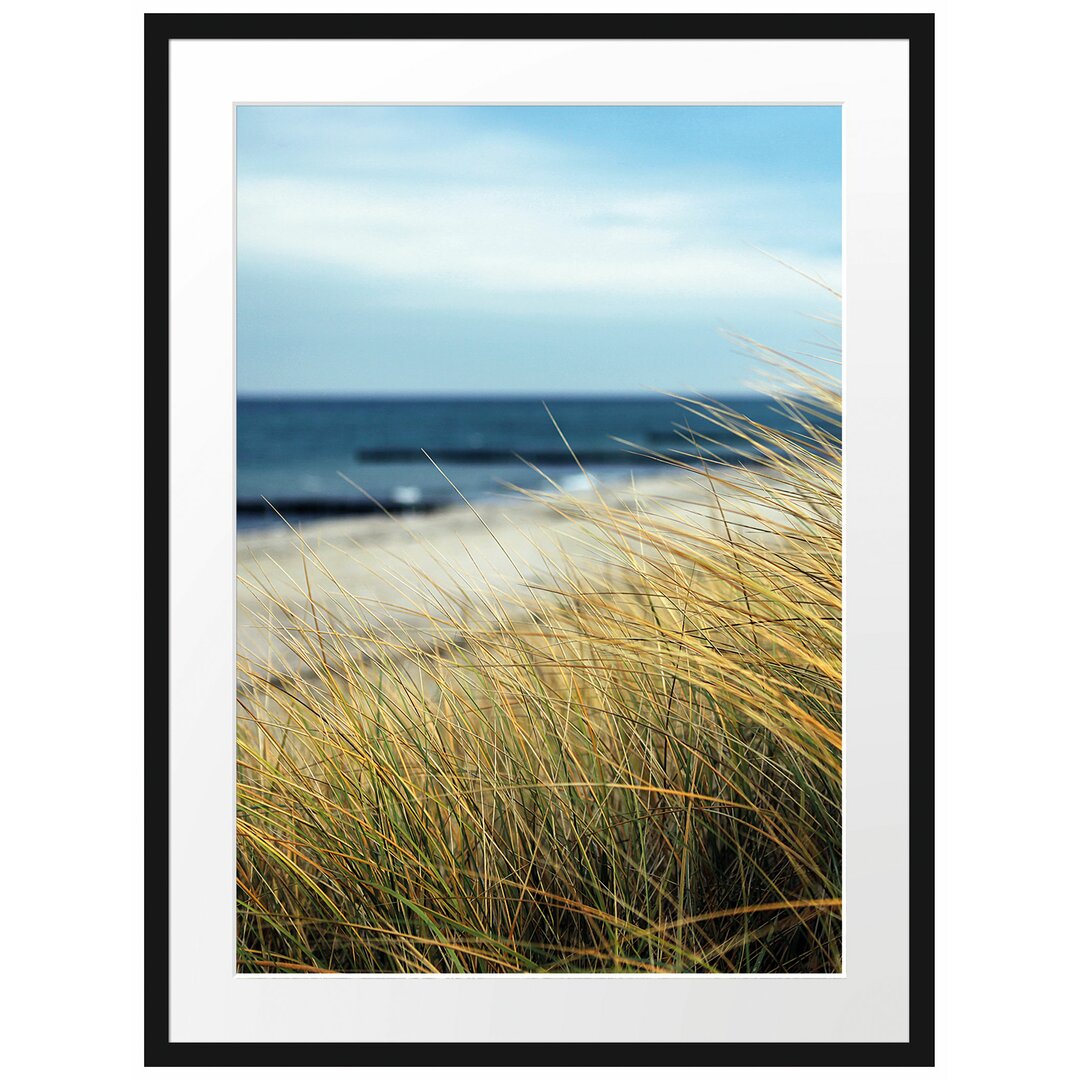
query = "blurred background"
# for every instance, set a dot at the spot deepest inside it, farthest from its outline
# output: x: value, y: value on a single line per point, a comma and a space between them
x: 454, y: 282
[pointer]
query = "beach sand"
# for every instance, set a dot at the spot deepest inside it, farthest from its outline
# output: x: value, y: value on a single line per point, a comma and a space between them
x: 396, y: 575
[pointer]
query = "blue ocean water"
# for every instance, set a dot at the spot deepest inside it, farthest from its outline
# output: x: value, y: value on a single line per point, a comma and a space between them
x: 293, y: 453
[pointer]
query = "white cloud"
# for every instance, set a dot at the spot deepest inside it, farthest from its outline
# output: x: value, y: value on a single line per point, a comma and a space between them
x: 537, y: 241
x: 437, y: 214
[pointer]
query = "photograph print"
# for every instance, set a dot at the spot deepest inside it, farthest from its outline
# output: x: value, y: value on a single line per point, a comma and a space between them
x: 539, y: 539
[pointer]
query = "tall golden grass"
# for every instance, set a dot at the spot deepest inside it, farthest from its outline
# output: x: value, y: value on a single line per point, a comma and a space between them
x: 635, y: 768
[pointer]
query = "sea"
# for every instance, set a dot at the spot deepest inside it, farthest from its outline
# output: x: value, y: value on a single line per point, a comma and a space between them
x: 303, y: 459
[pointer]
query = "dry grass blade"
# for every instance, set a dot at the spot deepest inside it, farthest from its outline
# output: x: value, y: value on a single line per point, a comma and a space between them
x: 630, y: 761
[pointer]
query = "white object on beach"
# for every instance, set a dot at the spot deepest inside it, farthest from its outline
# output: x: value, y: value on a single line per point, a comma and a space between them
x: 578, y: 482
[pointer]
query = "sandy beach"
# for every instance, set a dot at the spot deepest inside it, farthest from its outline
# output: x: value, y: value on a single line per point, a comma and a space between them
x: 395, y: 574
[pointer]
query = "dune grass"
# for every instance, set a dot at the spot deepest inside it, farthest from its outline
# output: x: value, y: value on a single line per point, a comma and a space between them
x: 635, y: 768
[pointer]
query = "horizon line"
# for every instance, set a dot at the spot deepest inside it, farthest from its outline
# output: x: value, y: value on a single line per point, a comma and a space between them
x: 502, y: 395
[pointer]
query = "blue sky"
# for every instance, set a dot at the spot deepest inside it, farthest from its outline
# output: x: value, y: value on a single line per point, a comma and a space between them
x: 505, y: 249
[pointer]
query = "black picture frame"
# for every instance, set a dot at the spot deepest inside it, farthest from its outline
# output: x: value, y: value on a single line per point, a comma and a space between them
x: 159, y: 31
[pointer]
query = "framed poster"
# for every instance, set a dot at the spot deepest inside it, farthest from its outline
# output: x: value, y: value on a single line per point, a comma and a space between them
x: 539, y: 658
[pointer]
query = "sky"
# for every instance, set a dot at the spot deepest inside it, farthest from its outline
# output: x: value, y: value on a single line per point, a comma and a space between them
x: 530, y: 249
